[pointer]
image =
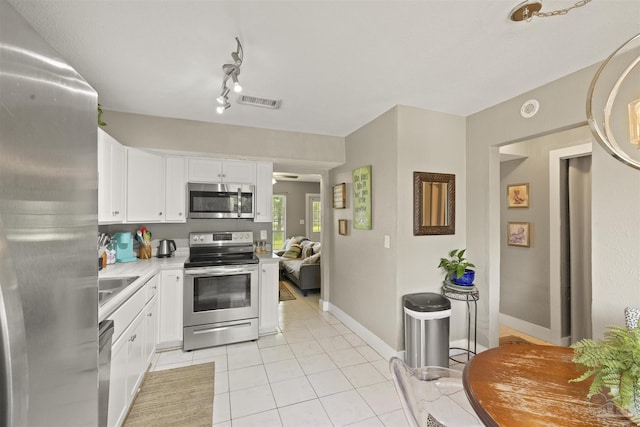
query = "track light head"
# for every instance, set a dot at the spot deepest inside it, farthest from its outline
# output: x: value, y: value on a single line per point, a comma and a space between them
x: 222, y: 108
x: 223, y: 98
x: 236, y: 84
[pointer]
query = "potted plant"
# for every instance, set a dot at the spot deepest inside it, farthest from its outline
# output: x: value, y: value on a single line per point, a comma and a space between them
x: 614, y: 364
x: 459, y: 270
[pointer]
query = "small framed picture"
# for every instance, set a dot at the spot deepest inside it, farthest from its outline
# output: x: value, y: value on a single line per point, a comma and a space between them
x: 343, y: 227
x: 339, y: 196
x: 518, y: 234
x: 518, y: 195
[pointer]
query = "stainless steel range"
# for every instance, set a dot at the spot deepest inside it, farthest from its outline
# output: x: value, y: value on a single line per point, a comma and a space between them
x: 220, y: 289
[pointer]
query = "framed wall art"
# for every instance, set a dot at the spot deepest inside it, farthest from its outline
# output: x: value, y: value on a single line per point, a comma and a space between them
x: 339, y: 196
x: 343, y: 227
x: 519, y: 234
x: 362, y: 198
x: 518, y: 195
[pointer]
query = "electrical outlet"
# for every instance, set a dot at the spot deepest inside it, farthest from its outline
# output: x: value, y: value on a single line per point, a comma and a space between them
x: 263, y: 234
x: 387, y: 241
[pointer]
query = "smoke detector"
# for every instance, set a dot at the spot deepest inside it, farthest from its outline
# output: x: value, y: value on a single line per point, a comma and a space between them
x: 259, y: 102
x: 529, y: 108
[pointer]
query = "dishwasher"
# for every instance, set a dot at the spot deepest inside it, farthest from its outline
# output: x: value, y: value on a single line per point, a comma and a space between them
x: 104, y: 370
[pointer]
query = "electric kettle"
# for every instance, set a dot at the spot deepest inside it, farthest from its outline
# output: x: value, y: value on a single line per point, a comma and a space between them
x: 166, y: 248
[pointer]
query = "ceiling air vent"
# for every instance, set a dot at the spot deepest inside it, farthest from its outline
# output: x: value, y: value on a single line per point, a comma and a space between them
x: 259, y: 102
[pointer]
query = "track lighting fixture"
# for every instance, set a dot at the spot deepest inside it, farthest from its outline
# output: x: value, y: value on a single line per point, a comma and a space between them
x: 222, y: 108
x: 223, y: 98
x: 231, y: 71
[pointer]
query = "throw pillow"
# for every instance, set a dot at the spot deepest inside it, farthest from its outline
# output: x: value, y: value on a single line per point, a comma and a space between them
x: 279, y: 253
x: 287, y: 244
x: 313, y: 259
x: 293, y: 252
x: 316, y: 247
x: 307, y: 251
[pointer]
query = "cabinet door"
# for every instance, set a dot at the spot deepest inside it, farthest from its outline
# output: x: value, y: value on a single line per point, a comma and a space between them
x: 104, y: 177
x: 205, y: 170
x: 268, y: 297
x: 238, y: 172
x: 118, y: 381
x: 150, y: 330
x: 117, y: 180
x: 176, y: 201
x: 170, y: 310
x: 136, y: 363
x: 145, y: 186
x: 110, y: 179
x: 264, y: 192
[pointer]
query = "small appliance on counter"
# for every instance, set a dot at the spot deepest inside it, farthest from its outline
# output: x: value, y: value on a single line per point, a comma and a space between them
x: 166, y: 248
x: 124, y: 247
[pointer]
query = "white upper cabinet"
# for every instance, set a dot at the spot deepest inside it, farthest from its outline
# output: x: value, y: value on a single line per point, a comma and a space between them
x: 145, y: 186
x: 176, y: 173
x: 214, y: 171
x: 264, y: 192
x: 111, y: 159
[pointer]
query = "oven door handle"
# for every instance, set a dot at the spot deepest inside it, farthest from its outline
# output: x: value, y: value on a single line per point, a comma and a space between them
x: 218, y: 271
x: 239, y: 202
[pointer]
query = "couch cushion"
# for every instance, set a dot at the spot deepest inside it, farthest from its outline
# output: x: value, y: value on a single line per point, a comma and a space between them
x: 313, y: 259
x: 292, y: 266
x: 293, y: 251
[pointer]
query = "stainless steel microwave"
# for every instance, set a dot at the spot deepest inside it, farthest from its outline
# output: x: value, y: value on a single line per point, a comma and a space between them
x: 221, y: 200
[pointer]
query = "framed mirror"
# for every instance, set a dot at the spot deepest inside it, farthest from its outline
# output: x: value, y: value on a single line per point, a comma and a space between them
x: 434, y: 203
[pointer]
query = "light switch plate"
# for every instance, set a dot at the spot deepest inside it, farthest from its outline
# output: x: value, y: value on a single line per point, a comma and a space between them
x: 387, y: 241
x: 302, y: 222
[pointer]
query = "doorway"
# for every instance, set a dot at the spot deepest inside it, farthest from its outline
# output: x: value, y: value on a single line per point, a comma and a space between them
x: 570, y: 243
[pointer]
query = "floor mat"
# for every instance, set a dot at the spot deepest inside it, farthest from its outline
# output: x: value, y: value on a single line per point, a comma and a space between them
x: 175, y: 397
x: 285, y: 292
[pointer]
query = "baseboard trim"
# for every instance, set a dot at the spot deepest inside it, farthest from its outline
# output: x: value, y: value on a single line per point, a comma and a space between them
x: 528, y: 328
x: 367, y: 336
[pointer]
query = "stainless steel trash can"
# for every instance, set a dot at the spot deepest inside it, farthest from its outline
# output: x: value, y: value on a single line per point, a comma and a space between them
x: 426, y: 329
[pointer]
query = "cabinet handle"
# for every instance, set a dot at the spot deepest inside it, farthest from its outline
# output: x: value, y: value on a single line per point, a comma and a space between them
x: 150, y: 314
x: 179, y: 213
x: 154, y: 287
x: 219, y: 175
x: 160, y: 213
x: 177, y: 278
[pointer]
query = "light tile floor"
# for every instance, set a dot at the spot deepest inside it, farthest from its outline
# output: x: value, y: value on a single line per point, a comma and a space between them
x: 315, y: 372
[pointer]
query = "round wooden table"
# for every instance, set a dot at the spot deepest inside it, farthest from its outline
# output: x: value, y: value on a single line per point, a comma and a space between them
x: 528, y: 385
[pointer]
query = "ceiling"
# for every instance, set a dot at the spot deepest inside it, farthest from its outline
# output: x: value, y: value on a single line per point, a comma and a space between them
x: 335, y: 65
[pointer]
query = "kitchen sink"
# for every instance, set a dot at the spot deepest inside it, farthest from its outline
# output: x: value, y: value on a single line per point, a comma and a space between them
x: 111, y: 286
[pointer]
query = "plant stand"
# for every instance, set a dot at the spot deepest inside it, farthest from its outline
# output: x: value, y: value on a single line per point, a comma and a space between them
x: 470, y: 295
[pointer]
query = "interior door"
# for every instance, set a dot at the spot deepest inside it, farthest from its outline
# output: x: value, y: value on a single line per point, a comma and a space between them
x: 313, y: 216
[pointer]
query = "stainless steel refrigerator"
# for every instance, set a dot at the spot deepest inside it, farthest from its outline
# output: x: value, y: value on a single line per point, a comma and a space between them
x: 48, y: 230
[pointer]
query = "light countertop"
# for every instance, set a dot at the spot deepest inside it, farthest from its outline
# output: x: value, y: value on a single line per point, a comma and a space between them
x: 145, y: 269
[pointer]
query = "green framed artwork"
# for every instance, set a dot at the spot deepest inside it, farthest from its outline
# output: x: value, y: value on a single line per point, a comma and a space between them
x: 362, y: 198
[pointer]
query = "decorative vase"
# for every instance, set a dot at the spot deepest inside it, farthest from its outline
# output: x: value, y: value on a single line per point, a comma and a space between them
x: 465, y: 280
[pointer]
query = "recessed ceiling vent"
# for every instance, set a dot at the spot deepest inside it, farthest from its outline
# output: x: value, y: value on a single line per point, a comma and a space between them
x: 259, y: 102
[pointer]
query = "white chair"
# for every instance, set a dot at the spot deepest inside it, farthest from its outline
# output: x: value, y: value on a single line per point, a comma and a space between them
x: 432, y: 396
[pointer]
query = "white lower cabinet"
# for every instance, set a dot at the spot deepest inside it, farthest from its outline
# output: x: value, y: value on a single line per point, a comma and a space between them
x: 268, y: 298
x: 135, y: 335
x: 150, y: 329
x: 170, y: 309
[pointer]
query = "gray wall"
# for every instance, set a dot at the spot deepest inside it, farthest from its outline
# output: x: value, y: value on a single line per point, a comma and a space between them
x: 296, y: 203
x: 368, y: 280
x: 524, y: 272
x: 615, y: 219
x: 136, y: 130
